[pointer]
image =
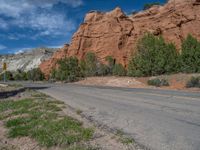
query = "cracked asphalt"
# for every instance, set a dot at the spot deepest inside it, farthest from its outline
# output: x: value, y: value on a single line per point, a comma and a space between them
x: 157, y: 119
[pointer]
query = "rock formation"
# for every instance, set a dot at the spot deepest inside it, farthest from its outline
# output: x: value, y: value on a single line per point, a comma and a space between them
x: 49, y: 64
x: 116, y: 34
x: 28, y: 60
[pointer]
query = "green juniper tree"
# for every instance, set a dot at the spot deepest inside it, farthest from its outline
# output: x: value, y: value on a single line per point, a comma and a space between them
x: 111, y: 63
x: 119, y: 70
x: 190, y: 55
x: 68, y: 70
x: 35, y: 75
x: 90, y: 64
x: 153, y: 57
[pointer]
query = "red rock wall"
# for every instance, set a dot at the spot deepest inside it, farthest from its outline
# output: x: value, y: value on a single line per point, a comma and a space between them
x: 47, y: 66
x: 116, y: 34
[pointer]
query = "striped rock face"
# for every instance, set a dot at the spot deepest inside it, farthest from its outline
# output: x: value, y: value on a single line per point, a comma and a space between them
x: 28, y: 60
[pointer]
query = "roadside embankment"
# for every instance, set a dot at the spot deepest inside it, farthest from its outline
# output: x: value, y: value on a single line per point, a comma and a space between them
x: 176, y: 81
x: 10, y: 90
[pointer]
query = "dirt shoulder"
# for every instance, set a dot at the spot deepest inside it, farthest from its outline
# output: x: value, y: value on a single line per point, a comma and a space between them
x: 176, y: 81
x: 7, y: 88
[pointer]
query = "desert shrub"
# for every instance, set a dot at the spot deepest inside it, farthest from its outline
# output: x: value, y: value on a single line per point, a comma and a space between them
x: 24, y: 75
x: 83, y: 67
x: 17, y: 76
x: 158, y: 82
x: 68, y: 70
x: 20, y: 75
x: 111, y: 63
x: 90, y: 64
x: 35, y: 75
x: 53, y: 74
x: 115, y: 69
x: 153, y: 57
x: 119, y: 70
x: 190, y: 56
x: 103, y: 70
x: 193, y: 82
x: 149, y: 5
x: 8, y: 74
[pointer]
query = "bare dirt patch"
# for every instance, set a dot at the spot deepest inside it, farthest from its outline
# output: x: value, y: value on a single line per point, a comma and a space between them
x: 112, y: 81
x: 24, y: 143
x: 176, y: 81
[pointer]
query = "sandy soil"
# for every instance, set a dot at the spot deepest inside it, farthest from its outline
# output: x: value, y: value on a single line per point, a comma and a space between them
x: 176, y: 81
x: 112, y: 81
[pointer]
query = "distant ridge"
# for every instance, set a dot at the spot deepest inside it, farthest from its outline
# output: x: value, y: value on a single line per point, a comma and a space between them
x: 27, y: 60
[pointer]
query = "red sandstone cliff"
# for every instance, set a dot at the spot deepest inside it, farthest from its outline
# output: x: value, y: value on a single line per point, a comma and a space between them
x: 48, y: 65
x: 116, y: 34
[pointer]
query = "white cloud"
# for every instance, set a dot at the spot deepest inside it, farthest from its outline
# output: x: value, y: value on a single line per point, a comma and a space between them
x: 50, y: 3
x: 22, y: 50
x: 19, y: 52
x: 28, y: 14
x: 73, y: 3
x: 2, y: 47
x: 14, y: 8
x: 46, y: 23
x: 55, y: 46
x: 3, y: 24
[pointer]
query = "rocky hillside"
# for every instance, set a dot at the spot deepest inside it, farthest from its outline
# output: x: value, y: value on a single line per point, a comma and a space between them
x: 116, y: 34
x: 48, y: 65
x: 27, y: 60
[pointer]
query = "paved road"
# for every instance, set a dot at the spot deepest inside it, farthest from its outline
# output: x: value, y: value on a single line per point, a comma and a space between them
x: 158, y: 119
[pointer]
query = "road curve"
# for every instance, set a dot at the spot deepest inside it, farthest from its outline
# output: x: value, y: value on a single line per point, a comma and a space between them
x: 157, y: 119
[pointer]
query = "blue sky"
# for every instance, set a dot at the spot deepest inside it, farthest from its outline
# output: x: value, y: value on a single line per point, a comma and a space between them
x: 28, y: 24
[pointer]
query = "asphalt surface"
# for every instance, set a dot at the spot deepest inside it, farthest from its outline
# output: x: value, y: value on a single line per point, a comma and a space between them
x: 157, y: 119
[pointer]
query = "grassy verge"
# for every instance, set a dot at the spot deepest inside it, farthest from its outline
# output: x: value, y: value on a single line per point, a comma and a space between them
x: 42, y: 119
x: 123, y: 138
